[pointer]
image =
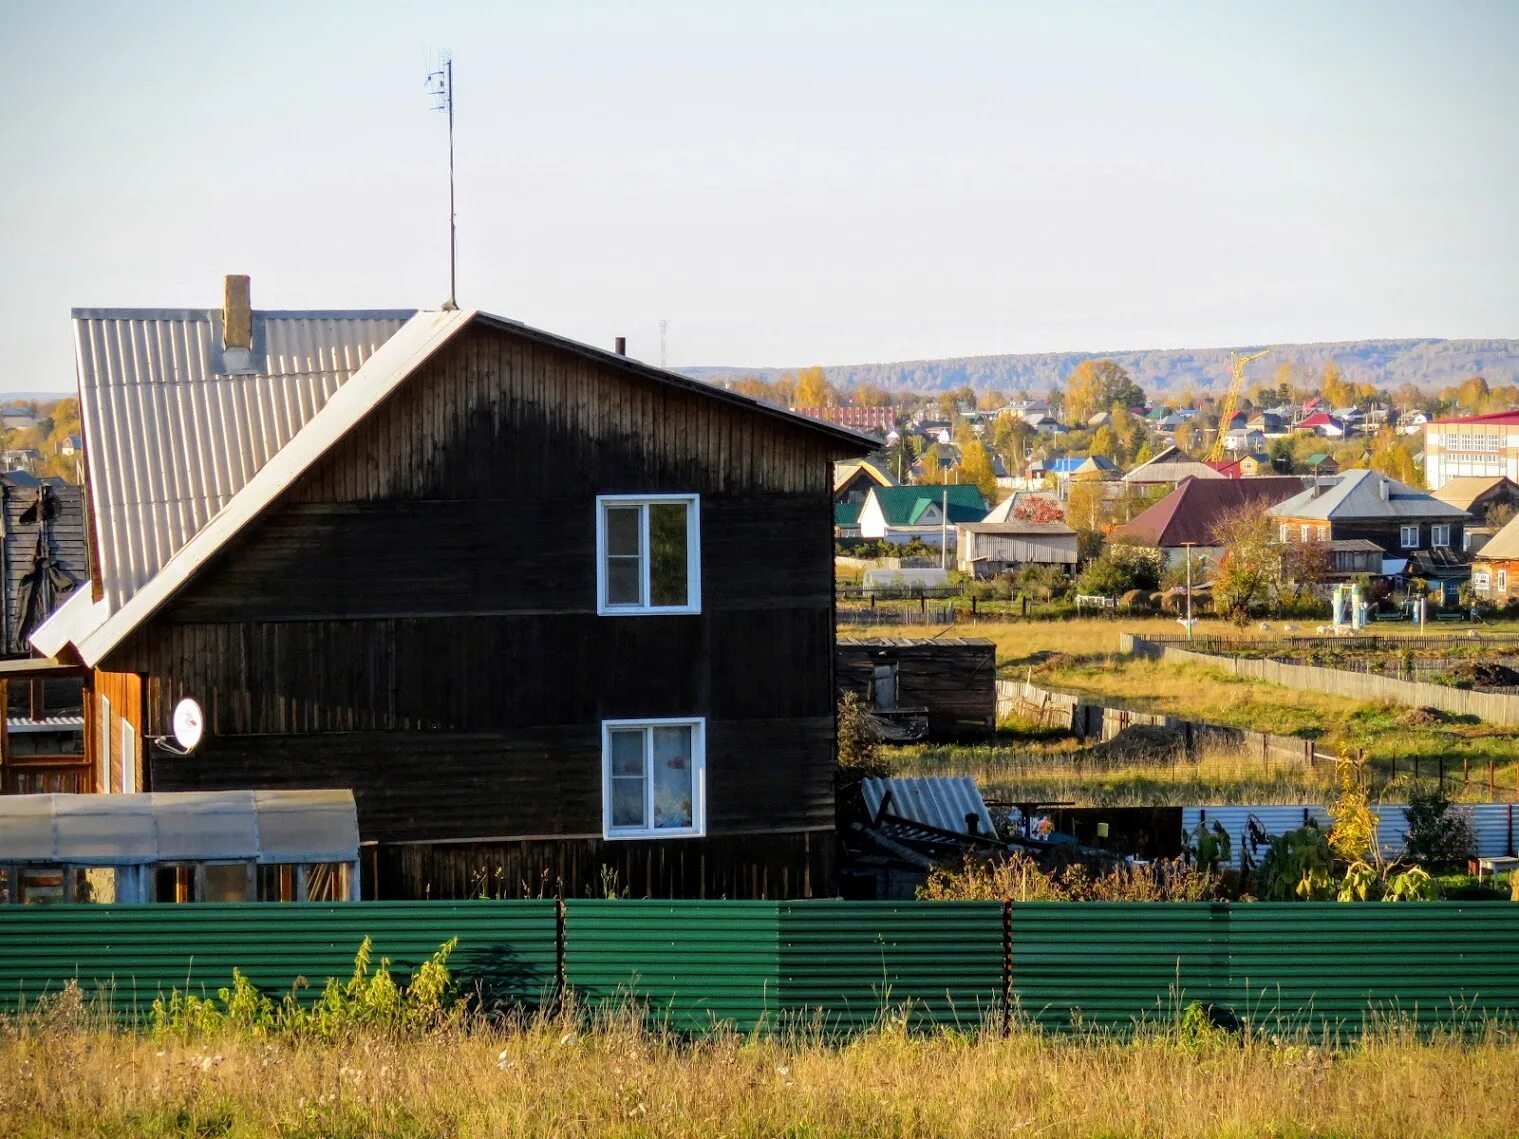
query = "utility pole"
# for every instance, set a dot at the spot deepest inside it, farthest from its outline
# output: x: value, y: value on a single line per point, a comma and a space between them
x: 440, y: 84
x: 944, y: 530
x: 664, y: 326
x: 1188, y: 621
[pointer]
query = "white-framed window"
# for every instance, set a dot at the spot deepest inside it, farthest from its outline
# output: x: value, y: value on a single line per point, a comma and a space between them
x: 1305, y: 533
x: 1285, y: 533
x: 1409, y: 536
x: 648, y: 554
x: 128, y: 757
x: 1502, y: 582
x: 1439, y: 536
x: 1481, y: 580
x: 653, y: 778
x: 103, y: 744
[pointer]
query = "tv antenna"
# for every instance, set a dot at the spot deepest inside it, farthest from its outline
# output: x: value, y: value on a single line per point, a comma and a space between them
x: 440, y: 85
x: 664, y: 326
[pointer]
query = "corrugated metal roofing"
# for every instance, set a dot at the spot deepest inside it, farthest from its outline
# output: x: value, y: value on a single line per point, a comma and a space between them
x: 1503, y: 544
x: 20, y: 725
x: 944, y: 801
x: 1493, y: 823
x: 305, y: 441
x: 175, y: 427
x: 1358, y: 495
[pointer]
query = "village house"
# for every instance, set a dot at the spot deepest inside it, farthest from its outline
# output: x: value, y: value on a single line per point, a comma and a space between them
x: 1419, y: 535
x: 1191, y: 514
x: 900, y: 514
x: 1491, y: 501
x: 1166, y: 469
x: 1495, y: 569
x: 556, y: 617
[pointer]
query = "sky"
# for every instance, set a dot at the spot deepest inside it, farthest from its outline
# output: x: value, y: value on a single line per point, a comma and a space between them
x: 785, y: 183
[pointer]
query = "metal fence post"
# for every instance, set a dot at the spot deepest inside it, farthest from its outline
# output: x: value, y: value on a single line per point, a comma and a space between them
x: 1007, y: 967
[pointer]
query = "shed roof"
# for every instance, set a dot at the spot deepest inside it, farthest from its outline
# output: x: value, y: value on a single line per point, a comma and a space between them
x: 1503, y: 545
x: 941, y: 801
x: 179, y: 826
x: 846, y: 469
x: 1016, y: 527
x: 1358, y: 495
x: 1464, y: 490
x: 1192, y: 512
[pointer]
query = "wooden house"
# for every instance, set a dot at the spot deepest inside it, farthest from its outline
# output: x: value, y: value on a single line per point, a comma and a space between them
x: 559, y: 619
x: 1495, y: 570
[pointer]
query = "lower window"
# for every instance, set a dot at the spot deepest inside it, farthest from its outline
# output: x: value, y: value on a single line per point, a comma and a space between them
x: 653, y: 781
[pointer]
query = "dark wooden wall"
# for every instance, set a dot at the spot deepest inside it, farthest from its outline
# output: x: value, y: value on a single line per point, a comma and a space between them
x: 955, y: 679
x: 415, y: 618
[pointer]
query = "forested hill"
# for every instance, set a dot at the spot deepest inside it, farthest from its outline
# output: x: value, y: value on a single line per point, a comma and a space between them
x: 1383, y: 363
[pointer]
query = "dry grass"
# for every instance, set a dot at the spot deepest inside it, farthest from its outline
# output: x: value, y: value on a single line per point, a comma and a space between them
x: 553, y: 1079
x: 1061, y: 771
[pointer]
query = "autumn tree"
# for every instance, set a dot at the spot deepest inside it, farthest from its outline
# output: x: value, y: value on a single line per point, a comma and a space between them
x: 976, y: 468
x: 1250, y: 568
x: 812, y: 389
x: 1039, y: 509
x: 1010, y: 439
x: 1472, y: 394
x: 1096, y: 385
x: 868, y: 395
x: 1083, y: 507
x: 1393, y: 455
x: 1104, y: 443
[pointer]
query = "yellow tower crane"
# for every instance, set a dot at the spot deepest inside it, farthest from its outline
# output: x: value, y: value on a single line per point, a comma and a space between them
x: 1231, y: 401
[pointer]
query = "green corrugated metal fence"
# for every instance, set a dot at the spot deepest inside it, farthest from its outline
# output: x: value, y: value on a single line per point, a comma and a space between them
x: 506, y: 952
x: 840, y: 965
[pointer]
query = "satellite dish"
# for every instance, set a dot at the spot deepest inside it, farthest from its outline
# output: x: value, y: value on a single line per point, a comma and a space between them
x: 189, y: 724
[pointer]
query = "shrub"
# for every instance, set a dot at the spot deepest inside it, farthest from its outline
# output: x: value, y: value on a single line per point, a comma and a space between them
x: 1439, y: 834
x: 371, y: 999
x: 1120, y: 569
x: 858, y: 747
x: 1019, y: 878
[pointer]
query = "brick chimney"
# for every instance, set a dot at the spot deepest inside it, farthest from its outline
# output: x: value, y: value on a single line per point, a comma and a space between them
x: 237, y: 311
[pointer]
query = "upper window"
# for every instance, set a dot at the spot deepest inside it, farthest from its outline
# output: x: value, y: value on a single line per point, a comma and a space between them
x: 648, y: 554
x: 1502, y: 581
x: 1307, y: 533
x: 1439, y: 536
x: 1409, y: 536
x: 653, y: 775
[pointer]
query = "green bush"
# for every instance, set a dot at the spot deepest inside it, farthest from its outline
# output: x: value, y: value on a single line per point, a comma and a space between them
x: 366, y: 999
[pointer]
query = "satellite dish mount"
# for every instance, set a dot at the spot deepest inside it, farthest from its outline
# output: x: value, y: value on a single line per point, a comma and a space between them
x: 188, y: 727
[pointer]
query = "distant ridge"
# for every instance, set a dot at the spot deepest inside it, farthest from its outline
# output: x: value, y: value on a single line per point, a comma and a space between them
x: 1429, y: 363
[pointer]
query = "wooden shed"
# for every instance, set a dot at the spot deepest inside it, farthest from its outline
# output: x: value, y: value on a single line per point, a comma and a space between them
x: 561, y: 620
x: 952, y: 681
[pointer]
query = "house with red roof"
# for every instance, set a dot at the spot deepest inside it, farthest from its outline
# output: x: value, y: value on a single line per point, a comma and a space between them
x: 1190, y: 515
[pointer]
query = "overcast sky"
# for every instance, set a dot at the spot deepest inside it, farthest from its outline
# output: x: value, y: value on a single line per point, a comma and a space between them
x: 787, y: 184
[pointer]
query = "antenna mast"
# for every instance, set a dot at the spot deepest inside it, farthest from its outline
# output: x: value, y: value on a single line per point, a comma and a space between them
x: 440, y: 85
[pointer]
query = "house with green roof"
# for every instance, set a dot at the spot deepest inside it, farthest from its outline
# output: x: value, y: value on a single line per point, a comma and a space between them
x: 898, y: 514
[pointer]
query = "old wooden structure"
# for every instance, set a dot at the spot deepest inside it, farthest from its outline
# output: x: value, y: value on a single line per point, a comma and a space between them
x: 562, y: 621
x: 952, y: 681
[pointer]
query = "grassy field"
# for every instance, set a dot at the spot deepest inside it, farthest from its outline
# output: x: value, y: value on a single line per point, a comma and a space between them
x: 555, y: 1079
x: 1061, y: 771
x: 1081, y: 656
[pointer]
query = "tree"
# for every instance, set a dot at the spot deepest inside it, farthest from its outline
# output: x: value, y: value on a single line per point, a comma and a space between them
x: 1472, y: 394
x: 1145, y: 452
x: 812, y: 389
x: 1104, y: 443
x: 976, y: 467
x: 1096, y: 385
x: 1083, y: 508
x: 1010, y: 438
x: 1186, y: 436
x: 1039, y: 509
x: 1250, y: 567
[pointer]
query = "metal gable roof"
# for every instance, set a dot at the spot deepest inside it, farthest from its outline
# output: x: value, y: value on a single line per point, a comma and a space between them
x: 173, y: 434
x: 95, y: 629
x: 1358, y: 495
